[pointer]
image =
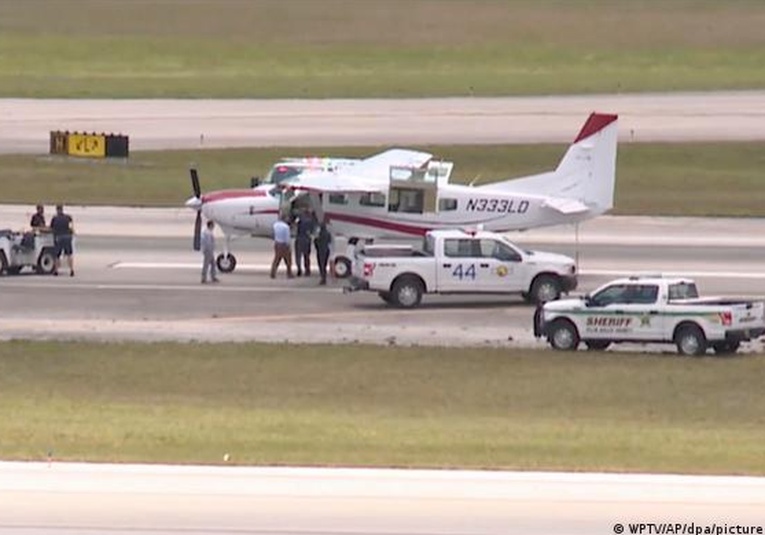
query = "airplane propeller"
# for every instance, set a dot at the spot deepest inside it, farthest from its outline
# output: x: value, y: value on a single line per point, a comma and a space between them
x: 198, y: 196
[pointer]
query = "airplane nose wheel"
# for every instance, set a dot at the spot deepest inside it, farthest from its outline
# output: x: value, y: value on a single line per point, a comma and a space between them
x: 226, y: 263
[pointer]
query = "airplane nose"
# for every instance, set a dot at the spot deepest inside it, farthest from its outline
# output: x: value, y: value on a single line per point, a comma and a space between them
x: 195, y: 203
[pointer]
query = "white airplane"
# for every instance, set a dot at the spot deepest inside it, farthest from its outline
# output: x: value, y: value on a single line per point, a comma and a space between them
x: 406, y: 193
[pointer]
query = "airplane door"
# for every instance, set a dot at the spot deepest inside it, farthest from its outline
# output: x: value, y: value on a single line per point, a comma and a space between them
x: 462, y: 268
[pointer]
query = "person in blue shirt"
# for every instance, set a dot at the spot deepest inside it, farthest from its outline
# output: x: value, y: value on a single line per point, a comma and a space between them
x: 62, y: 228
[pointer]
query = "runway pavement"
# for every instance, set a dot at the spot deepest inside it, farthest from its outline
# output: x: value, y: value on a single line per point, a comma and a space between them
x: 164, y: 124
x: 36, y: 498
x: 137, y: 278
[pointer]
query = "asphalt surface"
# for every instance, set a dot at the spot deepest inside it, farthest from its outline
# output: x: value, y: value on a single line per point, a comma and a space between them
x: 63, y: 499
x: 137, y: 278
x: 25, y: 124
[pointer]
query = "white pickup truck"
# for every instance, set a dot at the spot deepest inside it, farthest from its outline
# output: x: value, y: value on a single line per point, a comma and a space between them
x: 457, y: 262
x: 651, y: 309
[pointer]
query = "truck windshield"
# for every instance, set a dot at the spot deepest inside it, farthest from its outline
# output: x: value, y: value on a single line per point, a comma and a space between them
x: 429, y: 245
x: 683, y: 290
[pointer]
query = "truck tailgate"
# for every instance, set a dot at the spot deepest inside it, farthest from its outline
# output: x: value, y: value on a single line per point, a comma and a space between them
x: 748, y: 315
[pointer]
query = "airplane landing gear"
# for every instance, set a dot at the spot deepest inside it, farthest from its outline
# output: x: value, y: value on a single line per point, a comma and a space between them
x: 226, y: 262
x: 343, y: 264
x: 342, y: 267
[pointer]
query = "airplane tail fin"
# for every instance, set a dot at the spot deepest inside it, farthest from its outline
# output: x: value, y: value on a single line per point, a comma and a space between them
x: 585, y: 178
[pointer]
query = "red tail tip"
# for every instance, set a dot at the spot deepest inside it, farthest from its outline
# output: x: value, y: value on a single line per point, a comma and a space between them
x: 595, y: 123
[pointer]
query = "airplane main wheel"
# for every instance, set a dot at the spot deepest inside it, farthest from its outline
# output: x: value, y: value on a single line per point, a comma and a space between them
x: 226, y: 263
x: 46, y: 263
x: 342, y: 267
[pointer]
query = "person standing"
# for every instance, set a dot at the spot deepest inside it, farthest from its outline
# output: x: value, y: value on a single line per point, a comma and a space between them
x: 323, y: 243
x: 306, y: 224
x: 207, y: 244
x: 62, y: 228
x: 281, y: 247
x: 38, y: 219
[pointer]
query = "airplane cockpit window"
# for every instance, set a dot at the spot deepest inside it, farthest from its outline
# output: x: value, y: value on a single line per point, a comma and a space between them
x: 447, y: 205
x: 281, y: 172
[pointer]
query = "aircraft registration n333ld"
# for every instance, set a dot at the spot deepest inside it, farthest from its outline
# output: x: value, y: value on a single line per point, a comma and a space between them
x: 405, y: 193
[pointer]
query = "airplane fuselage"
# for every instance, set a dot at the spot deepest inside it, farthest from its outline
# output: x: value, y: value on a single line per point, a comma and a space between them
x: 253, y: 212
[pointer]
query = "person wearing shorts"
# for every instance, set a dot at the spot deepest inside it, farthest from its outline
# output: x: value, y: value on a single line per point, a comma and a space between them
x: 62, y: 228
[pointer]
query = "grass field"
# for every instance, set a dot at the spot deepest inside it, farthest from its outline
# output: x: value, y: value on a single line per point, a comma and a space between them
x: 367, y: 48
x: 653, y: 179
x: 373, y: 406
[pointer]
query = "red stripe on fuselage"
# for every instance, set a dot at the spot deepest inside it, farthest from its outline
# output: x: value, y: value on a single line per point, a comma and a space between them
x: 232, y: 194
x: 377, y: 223
x: 595, y: 123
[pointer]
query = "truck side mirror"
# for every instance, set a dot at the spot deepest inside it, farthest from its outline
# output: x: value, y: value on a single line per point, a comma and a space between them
x: 588, y: 300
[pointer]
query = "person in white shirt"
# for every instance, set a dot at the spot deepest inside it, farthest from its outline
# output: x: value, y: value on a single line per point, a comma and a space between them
x: 282, y: 249
x: 207, y: 244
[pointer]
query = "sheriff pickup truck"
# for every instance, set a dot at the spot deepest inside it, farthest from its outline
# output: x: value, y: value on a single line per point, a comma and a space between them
x: 651, y: 309
x: 458, y: 262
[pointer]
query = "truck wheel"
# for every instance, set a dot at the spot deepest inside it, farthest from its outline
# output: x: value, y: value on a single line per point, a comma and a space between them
x: 597, y: 345
x: 406, y: 292
x: 563, y: 335
x: 3, y: 263
x: 342, y: 267
x: 726, y: 348
x: 226, y: 263
x: 690, y: 340
x: 46, y: 263
x: 545, y: 288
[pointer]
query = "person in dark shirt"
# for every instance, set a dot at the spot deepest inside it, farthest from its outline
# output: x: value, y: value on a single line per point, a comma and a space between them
x: 306, y: 223
x: 62, y: 228
x: 323, y: 243
x: 38, y: 219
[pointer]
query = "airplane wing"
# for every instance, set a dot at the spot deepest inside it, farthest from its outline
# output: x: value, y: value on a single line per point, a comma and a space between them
x: 380, y: 164
x: 566, y: 206
x: 367, y: 176
x: 335, y: 183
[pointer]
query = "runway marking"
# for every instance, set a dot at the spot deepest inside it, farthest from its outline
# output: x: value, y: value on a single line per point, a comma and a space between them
x: 689, y: 273
x: 222, y: 287
x: 182, y: 265
x: 596, y: 272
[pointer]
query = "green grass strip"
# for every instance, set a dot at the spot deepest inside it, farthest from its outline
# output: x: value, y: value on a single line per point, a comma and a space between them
x: 372, y: 406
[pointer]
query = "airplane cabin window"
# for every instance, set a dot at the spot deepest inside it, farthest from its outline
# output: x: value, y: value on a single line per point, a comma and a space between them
x: 338, y: 198
x: 372, y: 199
x: 447, y: 205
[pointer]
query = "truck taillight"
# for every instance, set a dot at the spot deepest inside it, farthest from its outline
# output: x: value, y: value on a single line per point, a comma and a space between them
x: 726, y: 318
x: 369, y: 269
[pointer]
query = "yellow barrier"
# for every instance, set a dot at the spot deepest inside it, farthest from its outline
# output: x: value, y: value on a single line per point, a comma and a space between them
x: 90, y: 145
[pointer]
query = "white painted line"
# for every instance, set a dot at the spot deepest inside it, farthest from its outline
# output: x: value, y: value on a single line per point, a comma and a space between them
x: 597, y: 272
x: 690, y: 273
x: 183, y: 265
